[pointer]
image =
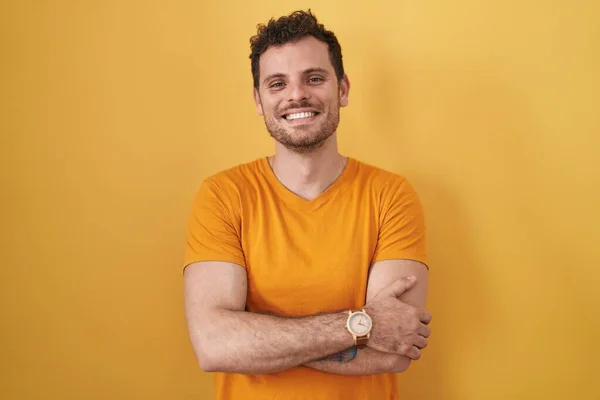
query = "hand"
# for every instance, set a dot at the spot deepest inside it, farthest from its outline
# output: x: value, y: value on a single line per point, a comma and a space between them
x: 398, y: 327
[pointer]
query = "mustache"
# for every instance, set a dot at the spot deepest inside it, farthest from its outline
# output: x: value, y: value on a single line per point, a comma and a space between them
x: 302, y: 104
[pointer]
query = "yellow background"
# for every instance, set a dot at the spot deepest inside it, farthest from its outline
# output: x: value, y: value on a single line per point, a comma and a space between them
x: 114, y: 111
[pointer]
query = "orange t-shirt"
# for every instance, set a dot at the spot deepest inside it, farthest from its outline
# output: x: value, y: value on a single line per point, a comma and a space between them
x: 305, y: 257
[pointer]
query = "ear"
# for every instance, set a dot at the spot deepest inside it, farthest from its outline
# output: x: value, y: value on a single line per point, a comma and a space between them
x: 259, y: 107
x: 344, y: 91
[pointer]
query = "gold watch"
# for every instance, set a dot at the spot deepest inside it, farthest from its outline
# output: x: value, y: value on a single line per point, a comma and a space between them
x: 359, y: 325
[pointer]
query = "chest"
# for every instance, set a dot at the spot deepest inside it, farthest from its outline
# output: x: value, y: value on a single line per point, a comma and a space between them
x: 302, y: 263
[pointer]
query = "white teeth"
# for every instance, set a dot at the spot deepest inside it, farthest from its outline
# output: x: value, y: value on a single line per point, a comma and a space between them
x: 300, y: 115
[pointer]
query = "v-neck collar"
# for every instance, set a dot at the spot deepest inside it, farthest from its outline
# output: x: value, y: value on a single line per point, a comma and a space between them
x: 299, y: 202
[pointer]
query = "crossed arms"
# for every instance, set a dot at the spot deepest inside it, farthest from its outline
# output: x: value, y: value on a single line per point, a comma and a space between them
x: 226, y: 338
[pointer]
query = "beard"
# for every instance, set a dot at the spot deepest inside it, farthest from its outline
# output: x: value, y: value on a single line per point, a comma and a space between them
x: 303, y: 138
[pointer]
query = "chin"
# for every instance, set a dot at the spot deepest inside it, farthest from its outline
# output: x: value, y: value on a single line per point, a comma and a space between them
x: 305, y: 149
x: 300, y: 139
x: 304, y: 146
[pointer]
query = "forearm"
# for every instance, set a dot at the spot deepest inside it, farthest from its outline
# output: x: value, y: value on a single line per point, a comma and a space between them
x: 367, y: 362
x: 244, y: 342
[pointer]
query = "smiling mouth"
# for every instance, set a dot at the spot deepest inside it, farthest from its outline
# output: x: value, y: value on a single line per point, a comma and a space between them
x: 300, y: 115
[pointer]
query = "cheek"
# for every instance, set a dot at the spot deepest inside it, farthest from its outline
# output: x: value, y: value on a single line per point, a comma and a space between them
x: 270, y: 109
x: 272, y: 113
x: 333, y: 102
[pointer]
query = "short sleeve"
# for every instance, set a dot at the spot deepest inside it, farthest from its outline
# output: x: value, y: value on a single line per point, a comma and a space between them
x: 213, y: 229
x: 402, y: 225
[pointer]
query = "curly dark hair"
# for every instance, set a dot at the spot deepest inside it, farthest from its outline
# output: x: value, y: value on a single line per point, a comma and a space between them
x: 291, y: 28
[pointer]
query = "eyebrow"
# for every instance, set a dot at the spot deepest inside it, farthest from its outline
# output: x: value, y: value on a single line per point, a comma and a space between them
x: 305, y: 72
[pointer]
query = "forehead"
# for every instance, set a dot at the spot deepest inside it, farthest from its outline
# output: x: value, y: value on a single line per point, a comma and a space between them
x: 295, y: 57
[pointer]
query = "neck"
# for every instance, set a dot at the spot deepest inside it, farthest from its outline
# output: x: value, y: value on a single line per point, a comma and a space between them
x: 308, y: 174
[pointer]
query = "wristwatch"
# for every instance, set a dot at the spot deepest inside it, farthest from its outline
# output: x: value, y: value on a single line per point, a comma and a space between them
x: 359, y: 325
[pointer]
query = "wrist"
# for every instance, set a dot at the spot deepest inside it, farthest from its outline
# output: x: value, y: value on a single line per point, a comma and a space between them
x: 347, y: 336
x: 359, y: 326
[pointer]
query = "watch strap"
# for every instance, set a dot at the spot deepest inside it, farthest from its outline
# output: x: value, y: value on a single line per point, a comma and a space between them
x: 361, y: 341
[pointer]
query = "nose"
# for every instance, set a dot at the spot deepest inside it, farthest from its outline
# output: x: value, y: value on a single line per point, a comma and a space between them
x: 298, y: 92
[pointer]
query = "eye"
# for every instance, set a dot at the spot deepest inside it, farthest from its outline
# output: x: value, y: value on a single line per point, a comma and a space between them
x: 315, y: 79
x: 276, y: 85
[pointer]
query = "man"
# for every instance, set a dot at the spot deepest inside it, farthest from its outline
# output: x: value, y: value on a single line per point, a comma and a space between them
x: 305, y: 272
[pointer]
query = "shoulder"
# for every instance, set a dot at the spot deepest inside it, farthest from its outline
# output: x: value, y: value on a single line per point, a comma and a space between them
x: 236, y: 178
x: 380, y: 179
x: 225, y: 191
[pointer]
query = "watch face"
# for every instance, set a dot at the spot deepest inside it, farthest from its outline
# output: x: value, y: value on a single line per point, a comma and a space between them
x: 359, y: 323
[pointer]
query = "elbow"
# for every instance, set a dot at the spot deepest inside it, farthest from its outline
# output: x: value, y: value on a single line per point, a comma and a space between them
x: 215, y: 358
x: 208, y: 349
x: 210, y: 360
x: 208, y: 366
x: 207, y: 355
x: 207, y: 362
x: 400, y: 364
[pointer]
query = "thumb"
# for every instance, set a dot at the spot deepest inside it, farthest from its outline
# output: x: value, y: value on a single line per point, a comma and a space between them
x: 400, y: 286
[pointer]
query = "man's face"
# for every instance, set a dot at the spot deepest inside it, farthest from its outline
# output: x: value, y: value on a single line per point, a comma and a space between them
x: 299, y: 95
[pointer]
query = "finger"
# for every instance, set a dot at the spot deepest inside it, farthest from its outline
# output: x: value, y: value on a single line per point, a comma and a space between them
x: 401, y: 285
x: 424, y: 331
x: 420, y: 342
x: 425, y: 317
x: 414, y: 353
